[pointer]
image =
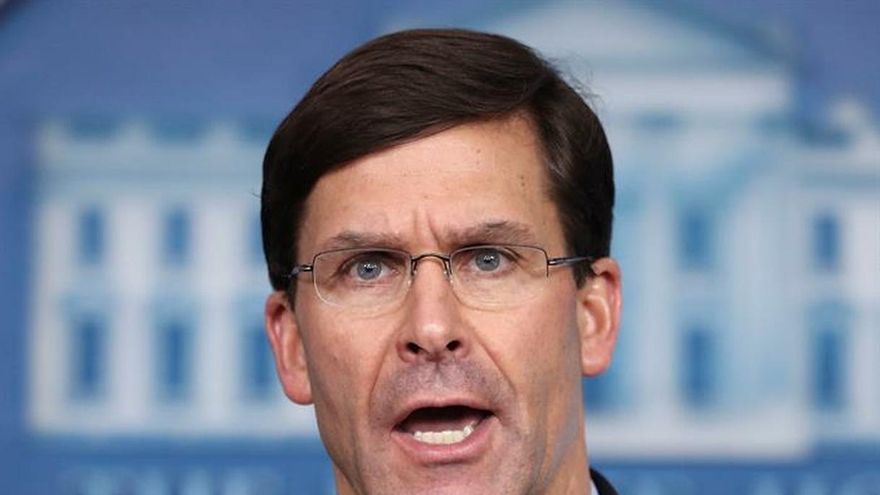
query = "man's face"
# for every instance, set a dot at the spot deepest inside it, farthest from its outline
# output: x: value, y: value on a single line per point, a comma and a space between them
x: 506, y: 382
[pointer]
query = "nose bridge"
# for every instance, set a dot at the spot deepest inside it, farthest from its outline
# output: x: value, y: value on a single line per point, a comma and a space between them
x: 443, y: 259
x: 433, y: 329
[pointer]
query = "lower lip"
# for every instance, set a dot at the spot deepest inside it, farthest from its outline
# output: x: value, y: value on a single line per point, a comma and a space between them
x: 469, y: 449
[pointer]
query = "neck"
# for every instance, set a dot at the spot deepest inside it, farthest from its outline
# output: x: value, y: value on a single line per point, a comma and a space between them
x: 572, y: 476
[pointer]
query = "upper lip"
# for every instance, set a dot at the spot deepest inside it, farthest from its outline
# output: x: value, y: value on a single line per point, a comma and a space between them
x: 434, y: 401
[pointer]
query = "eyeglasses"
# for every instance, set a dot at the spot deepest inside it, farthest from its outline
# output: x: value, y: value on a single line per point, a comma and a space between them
x: 372, y: 280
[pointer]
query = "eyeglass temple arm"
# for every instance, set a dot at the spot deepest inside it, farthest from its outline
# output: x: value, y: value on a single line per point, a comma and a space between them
x: 572, y: 260
x: 569, y: 260
x: 300, y: 269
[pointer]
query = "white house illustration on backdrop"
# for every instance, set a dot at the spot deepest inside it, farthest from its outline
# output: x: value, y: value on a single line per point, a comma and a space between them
x: 751, y: 254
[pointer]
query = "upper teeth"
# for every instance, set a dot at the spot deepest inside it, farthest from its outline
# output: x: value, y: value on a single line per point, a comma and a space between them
x: 444, y: 437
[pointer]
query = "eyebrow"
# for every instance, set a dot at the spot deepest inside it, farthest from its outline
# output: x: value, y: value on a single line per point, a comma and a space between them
x: 493, y: 232
x: 348, y: 239
x: 489, y: 232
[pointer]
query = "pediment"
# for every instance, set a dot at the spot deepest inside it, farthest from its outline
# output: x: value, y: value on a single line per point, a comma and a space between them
x: 624, y: 33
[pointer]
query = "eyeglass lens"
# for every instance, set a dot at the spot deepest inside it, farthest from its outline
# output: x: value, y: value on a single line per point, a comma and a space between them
x: 481, y: 276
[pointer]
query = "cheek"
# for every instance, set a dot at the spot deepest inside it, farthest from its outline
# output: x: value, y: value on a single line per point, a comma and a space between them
x: 549, y: 360
x: 536, y: 347
x: 342, y: 357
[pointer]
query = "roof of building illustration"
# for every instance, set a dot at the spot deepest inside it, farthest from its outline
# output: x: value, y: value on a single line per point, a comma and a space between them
x: 646, y: 33
x: 178, y: 57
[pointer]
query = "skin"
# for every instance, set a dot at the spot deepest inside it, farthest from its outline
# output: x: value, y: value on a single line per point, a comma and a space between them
x: 525, y: 363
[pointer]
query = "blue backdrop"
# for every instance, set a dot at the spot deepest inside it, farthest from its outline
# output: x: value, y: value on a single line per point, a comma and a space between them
x: 132, y: 358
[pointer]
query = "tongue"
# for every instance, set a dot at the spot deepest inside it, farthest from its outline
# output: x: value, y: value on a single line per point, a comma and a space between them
x: 441, y: 419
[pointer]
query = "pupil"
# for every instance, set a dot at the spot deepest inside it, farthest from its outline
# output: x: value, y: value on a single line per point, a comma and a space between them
x: 487, y: 261
x: 368, y: 270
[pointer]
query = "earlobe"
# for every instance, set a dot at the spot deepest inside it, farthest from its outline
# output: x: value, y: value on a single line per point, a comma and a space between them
x: 599, y: 303
x: 287, y: 346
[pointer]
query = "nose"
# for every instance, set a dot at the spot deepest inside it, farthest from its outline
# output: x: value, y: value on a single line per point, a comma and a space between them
x: 433, y: 330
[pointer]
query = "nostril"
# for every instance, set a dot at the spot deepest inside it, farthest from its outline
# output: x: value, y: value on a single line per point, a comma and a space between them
x: 413, y: 348
x: 452, y: 346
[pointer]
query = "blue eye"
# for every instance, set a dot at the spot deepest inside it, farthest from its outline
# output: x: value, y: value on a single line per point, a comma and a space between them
x: 371, y: 266
x: 368, y: 269
x: 487, y: 260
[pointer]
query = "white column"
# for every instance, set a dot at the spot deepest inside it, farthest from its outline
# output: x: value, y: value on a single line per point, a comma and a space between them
x: 132, y: 236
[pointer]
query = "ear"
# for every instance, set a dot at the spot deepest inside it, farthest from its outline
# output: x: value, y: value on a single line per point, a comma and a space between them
x: 287, y: 345
x: 599, y: 302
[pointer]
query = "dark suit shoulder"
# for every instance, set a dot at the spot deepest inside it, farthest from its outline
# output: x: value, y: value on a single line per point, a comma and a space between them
x: 603, y: 485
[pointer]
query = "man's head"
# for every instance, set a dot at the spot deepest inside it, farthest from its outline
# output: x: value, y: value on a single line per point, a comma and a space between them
x: 442, y: 374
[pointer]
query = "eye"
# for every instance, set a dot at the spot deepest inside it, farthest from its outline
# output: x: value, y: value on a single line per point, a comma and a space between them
x: 369, y: 267
x: 484, y: 261
x: 487, y: 260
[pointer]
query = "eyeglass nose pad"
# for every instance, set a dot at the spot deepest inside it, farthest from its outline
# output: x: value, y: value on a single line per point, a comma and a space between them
x: 447, y: 269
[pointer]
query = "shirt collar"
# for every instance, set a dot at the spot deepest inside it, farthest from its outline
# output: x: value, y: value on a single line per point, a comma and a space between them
x: 593, y: 489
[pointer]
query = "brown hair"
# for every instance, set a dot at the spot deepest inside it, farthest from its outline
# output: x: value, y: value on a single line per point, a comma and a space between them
x: 409, y: 84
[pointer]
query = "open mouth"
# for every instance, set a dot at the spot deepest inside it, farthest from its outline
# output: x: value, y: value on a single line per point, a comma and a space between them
x: 442, y: 425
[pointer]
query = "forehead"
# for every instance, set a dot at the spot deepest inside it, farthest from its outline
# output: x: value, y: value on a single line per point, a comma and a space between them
x: 438, y: 190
